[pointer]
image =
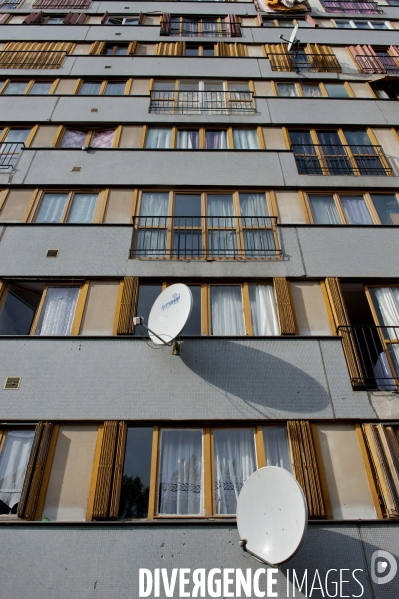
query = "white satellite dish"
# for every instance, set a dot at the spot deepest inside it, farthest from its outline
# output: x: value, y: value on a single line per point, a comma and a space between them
x: 170, y: 313
x: 272, y: 515
x: 292, y: 38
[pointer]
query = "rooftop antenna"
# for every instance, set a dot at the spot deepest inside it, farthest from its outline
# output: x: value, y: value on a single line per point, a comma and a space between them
x: 271, y: 515
x: 293, y: 41
x: 168, y: 317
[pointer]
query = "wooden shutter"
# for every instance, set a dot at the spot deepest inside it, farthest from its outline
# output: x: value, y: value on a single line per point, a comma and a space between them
x: 394, y: 51
x: 33, y: 18
x: 75, y: 18
x: 165, y: 23
x: 3, y: 18
x: 221, y: 49
x: 171, y: 49
x: 34, y: 471
x: 97, y: 47
x: 232, y: 26
x: 104, y: 17
x: 366, y: 59
x: 107, y: 492
x: 280, y: 58
x: 305, y: 466
x: 50, y: 55
x: 285, y: 310
x: 133, y: 47
x: 311, y: 21
x: 236, y: 50
x: 322, y: 58
x: 383, y: 448
x: 62, y: 4
x: 341, y: 318
x: 128, y: 306
x: 259, y: 18
x: 141, y: 18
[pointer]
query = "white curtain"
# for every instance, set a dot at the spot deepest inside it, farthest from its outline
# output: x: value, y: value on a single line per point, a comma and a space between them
x: 151, y: 243
x: 356, y: 210
x: 287, y: 89
x: 311, y: 91
x: 58, y: 311
x: 245, y: 139
x: 263, y: 310
x: 227, y: 317
x: 234, y: 462
x: 222, y: 236
x: 52, y: 208
x: 13, y: 462
x: 159, y: 138
x: 216, y: 140
x: 253, y: 204
x: 386, y: 300
x: 180, y: 481
x: 82, y: 209
x: 324, y: 210
x: 276, y: 447
x: 382, y: 371
x: 188, y: 140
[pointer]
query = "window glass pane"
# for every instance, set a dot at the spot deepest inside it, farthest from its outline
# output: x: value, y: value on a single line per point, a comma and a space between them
x: 73, y: 138
x: 103, y: 139
x: 324, y: 210
x: 253, y: 204
x: 13, y: 462
x: 192, y: 51
x: 216, y: 140
x: 276, y: 447
x: 188, y: 205
x: 115, y: 88
x: 336, y: 90
x: 58, y: 311
x: 386, y: 302
x: 356, y: 211
x: 165, y: 85
x: 136, y: 473
x: 263, y: 310
x: 15, y: 87
x: 379, y: 25
x: 17, y: 312
x: 90, y: 88
x: 180, y: 482
x: 234, y: 462
x: 227, y: 317
x: 343, y: 24
x: 208, y: 51
x: 147, y: 296
x: 2, y: 82
x: 55, y: 20
x: 20, y: 135
x: 311, y: 90
x: 287, y: 89
x: 387, y: 207
x: 52, y: 208
x: 193, y: 326
x: 358, y: 138
x: 188, y: 85
x: 361, y: 25
x: 188, y: 140
x: 238, y: 86
x: 41, y: 88
x: 246, y: 139
x: 82, y: 209
x: 213, y: 86
x: 153, y: 206
x: 158, y: 138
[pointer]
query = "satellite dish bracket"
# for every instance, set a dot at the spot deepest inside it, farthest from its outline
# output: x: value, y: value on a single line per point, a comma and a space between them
x: 295, y: 43
x: 139, y: 320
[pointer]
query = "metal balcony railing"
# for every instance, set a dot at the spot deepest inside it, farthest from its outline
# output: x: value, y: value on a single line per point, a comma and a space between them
x: 340, y: 160
x: 202, y: 102
x: 9, y: 155
x: 32, y: 59
x: 203, y: 29
x: 370, y: 63
x: 368, y: 8
x: 302, y: 61
x: 372, y: 354
x: 205, y: 237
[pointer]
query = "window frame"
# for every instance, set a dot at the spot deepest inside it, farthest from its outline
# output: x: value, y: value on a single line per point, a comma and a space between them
x: 336, y: 196
x: 200, y: 22
x: 202, y: 136
x: 98, y: 211
x: 103, y: 86
x: 89, y: 136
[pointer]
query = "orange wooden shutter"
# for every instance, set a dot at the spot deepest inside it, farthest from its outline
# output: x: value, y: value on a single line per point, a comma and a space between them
x: 128, y: 306
x: 284, y: 306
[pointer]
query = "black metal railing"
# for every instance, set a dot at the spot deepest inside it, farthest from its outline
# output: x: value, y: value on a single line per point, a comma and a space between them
x: 340, y: 160
x: 32, y: 59
x: 202, y: 102
x: 9, y: 155
x: 302, y: 61
x: 203, y: 29
x: 371, y: 63
x: 368, y: 8
x: 209, y: 237
x: 372, y: 353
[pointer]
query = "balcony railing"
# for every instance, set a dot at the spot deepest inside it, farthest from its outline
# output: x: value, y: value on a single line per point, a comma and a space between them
x: 199, y: 30
x: 301, y: 61
x: 340, y: 160
x: 368, y: 8
x: 370, y: 63
x: 31, y: 59
x: 372, y: 353
x: 205, y: 237
x: 9, y: 155
x: 201, y: 102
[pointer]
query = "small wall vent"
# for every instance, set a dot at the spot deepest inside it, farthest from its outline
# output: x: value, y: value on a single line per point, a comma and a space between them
x: 76, y: 169
x: 12, y: 382
x: 108, y: 66
x: 94, y: 110
x: 52, y: 254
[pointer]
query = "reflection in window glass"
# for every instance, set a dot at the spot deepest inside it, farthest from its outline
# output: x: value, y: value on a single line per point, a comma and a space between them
x: 17, y: 312
x: 276, y: 447
x: 336, y: 90
x: 15, y: 88
x: 180, y: 482
x: 356, y: 211
x: 90, y: 88
x: 324, y: 210
x: 18, y: 135
x: 311, y: 90
x: 136, y: 473
x: 193, y: 326
x: 287, y: 90
x: 387, y: 207
x: 52, y: 208
x: 188, y: 205
x: 40, y: 88
x: 115, y: 88
x: 147, y: 296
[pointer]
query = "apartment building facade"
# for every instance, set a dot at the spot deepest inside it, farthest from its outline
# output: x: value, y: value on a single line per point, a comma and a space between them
x: 148, y: 143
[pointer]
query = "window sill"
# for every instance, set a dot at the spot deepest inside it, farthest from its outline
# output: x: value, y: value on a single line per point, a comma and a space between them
x: 181, y: 522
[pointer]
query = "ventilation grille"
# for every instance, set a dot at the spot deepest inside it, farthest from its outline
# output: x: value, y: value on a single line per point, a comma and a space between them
x: 94, y: 110
x: 12, y: 382
x: 52, y: 254
x: 76, y: 169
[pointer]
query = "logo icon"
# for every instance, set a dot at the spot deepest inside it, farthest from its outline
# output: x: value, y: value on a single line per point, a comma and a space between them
x: 383, y: 567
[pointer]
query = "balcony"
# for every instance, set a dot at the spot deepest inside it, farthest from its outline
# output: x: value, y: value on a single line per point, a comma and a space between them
x: 9, y: 155
x: 341, y: 160
x: 201, y: 102
x: 368, y: 8
x: 32, y: 59
x: 195, y: 29
x: 205, y: 238
x: 375, y: 63
x: 372, y: 355
x: 301, y: 61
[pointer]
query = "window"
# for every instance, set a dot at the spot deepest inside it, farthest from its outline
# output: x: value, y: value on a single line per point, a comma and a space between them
x: 14, y: 457
x: 386, y: 90
x: 290, y: 23
x: 116, y: 49
x: 376, y: 60
x: 77, y: 138
x: 204, y: 139
x: 56, y: 317
x: 67, y: 207
x: 199, y: 50
x: 336, y: 90
x: 334, y: 209
x: 17, y: 87
x: 348, y: 24
x: 135, y: 486
x: 131, y: 20
x: 385, y: 301
x: 313, y: 90
x: 192, y: 27
x: 12, y: 144
x: 18, y: 310
x: 387, y: 207
x: 337, y: 153
x: 107, y: 88
x: 314, y: 58
x: 201, y: 225
x: 367, y: 6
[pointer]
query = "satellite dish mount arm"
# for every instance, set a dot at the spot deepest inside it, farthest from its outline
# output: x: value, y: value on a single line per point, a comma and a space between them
x: 139, y: 320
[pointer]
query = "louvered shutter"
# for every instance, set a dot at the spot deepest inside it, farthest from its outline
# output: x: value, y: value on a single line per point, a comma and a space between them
x: 97, y: 47
x: 221, y: 49
x: 62, y: 4
x: 171, y: 49
x: 4, y: 18
x: 341, y: 318
x: 284, y: 306
x: 34, y: 55
x: 322, y: 58
x: 33, y: 18
x: 107, y: 491
x: 259, y: 18
x: 311, y: 21
x: 394, y: 51
x: 132, y: 48
x: 366, y: 59
x: 75, y: 18
x: 305, y: 467
x: 383, y: 448
x: 232, y: 26
x: 165, y: 23
x: 104, y: 18
x: 280, y: 58
x: 128, y: 306
x: 141, y: 18
x: 34, y: 471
